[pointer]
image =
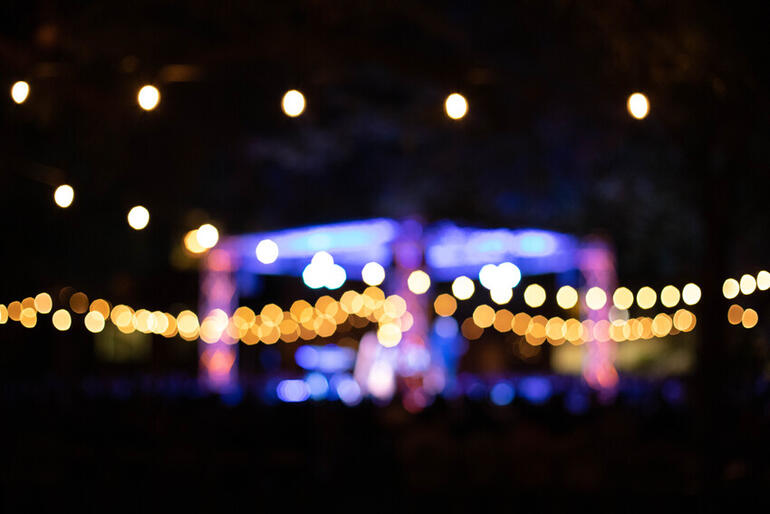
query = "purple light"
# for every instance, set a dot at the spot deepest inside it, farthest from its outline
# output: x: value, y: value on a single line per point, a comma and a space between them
x: 535, y: 389
x: 292, y: 391
x: 348, y: 391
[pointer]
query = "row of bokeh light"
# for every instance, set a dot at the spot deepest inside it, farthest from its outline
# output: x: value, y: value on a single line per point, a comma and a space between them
x: 306, y: 321
x: 293, y: 102
x: 303, y: 320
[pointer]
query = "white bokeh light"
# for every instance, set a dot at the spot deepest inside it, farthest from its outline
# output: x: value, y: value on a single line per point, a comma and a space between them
x: 267, y: 251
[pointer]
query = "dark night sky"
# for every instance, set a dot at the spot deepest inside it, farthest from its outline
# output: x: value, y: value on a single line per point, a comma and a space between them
x: 547, y: 141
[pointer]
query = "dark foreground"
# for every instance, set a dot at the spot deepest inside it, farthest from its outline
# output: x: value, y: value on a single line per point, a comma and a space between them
x: 143, y: 452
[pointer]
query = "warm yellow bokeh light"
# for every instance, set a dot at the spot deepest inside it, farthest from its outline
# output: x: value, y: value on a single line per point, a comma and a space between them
x: 534, y: 295
x: 138, y: 217
x: 566, y: 297
x: 731, y: 288
x: 749, y: 318
x: 20, y: 92
x: 734, y: 314
x: 43, y: 303
x: 646, y: 297
x: 79, y: 303
x: 418, y: 282
x: 484, y: 316
x: 28, y: 317
x: 763, y: 280
x: 389, y: 335
x: 191, y: 243
x: 456, y: 106
x: 373, y: 274
x: 207, y: 235
x: 64, y: 195
x: 267, y: 251
x: 94, y: 322
x: 669, y: 296
x: 61, y: 320
x: 445, y: 305
x: 596, y: 298
x: 748, y: 284
x: 293, y: 103
x: 148, y: 97
x: 638, y: 106
x: 691, y: 294
x: 623, y: 298
x: 463, y: 287
x: 101, y: 306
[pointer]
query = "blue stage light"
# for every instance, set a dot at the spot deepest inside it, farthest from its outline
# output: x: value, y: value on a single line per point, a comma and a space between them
x: 502, y: 393
x: 292, y: 391
x: 536, y: 390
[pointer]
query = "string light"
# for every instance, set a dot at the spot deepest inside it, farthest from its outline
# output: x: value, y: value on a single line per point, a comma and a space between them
x: 691, y: 294
x: 763, y: 280
x: 138, y: 217
x: 373, y: 274
x: 463, y: 287
x: 623, y: 298
x: 456, y: 106
x: 64, y: 195
x: 748, y: 284
x: 267, y: 251
x: 20, y: 92
x: 418, y: 282
x: 148, y: 97
x: 293, y: 103
x: 207, y: 236
x: 534, y: 295
x: 596, y: 298
x: 566, y: 297
x: 646, y: 297
x: 730, y: 288
x: 638, y: 106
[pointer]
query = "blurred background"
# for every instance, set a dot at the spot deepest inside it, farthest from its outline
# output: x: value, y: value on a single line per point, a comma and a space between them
x: 153, y: 355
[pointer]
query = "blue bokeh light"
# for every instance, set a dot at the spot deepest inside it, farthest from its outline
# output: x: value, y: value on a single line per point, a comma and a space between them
x: 502, y: 393
x: 536, y: 390
x: 292, y: 391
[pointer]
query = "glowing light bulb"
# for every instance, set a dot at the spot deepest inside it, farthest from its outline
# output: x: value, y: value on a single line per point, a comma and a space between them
x: 61, y: 320
x: 669, y: 296
x: 267, y: 251
x: 566, y: 297
x: 418, y: 282
x: 501, y: 295
x: 456, y: 106
x: 20, y: 92
x: 293, y: 103
x: 596, y: 298
x: 138, y: 217
x: 534, y: 295
x: 691, y: 294
x: 207, y: 235
x: 64, y: 195
x: 638, y: 106
x: 623, y: 298
x: 191, y: 243
x: 763, y: 280
x: 373, y: 274
x: 730, y: 288
x: 748, y: 284
x: 148, y: 97
x: 646, y: 297
x: 463, y: 288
